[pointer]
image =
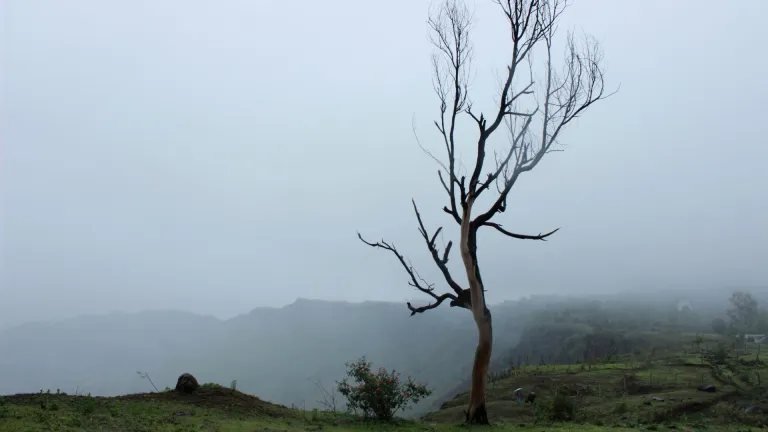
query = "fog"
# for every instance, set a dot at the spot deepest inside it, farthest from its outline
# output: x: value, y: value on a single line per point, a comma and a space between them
x: 285, y: 355
x: 215, y: 157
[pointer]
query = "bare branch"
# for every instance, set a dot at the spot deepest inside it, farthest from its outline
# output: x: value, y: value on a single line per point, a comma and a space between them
x: 528, y: 26
x: 515, y: 149
x: 329, y: 397
x: 424, y: 149
x: 567, y: 95
x: 439, y: 173
x: 439, y: 300
x: 416, y: 280
x: 450, y: 27
x: 144, y: 375
x: 540, y: 236
x: 441, y: 262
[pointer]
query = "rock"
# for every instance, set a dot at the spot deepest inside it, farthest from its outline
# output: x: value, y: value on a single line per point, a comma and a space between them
x: 708, y: 388
x: 186, y: 383
x: 657, y: 399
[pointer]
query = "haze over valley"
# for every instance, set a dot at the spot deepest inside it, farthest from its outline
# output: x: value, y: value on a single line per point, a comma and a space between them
x: 257, y: 193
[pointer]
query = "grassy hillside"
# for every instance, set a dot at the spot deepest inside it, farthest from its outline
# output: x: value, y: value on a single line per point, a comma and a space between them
x: 570, y: 330
x: 655, y: 392
x: 279, y: 354
x: 211, y: 409
x: 633, y: 390
x: 648, y: 390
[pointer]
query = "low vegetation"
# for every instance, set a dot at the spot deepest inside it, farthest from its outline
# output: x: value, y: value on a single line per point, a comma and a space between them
x: 665, y: 391
x: 378, y: 395
x: 211, y: 408
x: 584, y: 367
x: 676, y: 387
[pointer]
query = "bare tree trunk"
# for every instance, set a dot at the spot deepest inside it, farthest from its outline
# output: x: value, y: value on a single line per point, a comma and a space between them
x: 564, y: 96
x: 476, y: 412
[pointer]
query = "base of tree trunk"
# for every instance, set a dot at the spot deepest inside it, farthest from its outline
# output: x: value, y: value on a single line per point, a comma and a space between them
x: 480, y: 417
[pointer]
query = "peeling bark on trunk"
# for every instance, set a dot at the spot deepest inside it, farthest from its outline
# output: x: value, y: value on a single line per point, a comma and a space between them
x: 476, y: 412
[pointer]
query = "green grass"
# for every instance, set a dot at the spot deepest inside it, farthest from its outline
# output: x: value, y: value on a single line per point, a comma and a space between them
x: 210, y: 410
x: 633, y: 391
x: 639, y: 392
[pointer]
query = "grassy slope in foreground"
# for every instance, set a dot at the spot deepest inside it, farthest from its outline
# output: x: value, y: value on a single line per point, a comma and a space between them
x: 210, y: 409
x: 597, y: 392
x: 633, y: 391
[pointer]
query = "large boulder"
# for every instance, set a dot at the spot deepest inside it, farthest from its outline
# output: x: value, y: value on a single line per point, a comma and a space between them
x: 186, y: 383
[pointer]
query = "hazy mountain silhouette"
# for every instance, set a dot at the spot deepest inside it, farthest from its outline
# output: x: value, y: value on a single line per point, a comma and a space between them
x: 275, y: 353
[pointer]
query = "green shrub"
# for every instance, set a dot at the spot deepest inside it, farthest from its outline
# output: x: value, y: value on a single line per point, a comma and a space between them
x: 86, y: 405
x: 562, y: 408
x: 378, y: 394
x: 732, y: 414
x: 720, y: 354
x: 621, y: 408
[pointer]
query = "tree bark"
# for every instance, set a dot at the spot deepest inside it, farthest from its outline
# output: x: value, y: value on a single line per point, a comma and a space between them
x: 476, y: 412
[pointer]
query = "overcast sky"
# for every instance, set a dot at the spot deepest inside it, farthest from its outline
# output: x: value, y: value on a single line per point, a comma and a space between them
x: 218, y: 156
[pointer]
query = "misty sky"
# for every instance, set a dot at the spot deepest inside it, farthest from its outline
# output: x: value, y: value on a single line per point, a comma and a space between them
x: 218, y: 156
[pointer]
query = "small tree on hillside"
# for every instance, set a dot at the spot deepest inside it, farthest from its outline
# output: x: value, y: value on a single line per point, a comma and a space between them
x: 698, y: 340
x: 379, y: 394
x: 743, y: 312
x: 535, y: 112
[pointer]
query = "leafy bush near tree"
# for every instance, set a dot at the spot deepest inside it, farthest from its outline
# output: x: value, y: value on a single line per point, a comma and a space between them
x: 378, y: 394
x: 562, y: 408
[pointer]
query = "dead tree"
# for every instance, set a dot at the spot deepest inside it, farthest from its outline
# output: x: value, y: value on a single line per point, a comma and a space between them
x: 329, y: 397
x: 534, y: 112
